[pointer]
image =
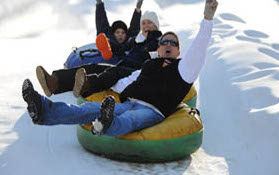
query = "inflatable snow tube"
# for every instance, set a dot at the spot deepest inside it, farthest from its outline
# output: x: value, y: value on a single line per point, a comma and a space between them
x: 179, y: 135
x: 85, y: 55
x: 191, y: 97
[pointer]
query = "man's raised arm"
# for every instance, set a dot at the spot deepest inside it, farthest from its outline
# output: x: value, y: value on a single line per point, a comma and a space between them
x: 192, y: 62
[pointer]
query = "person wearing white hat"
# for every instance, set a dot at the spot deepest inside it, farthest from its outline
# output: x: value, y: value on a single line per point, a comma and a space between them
x: 149, y: 22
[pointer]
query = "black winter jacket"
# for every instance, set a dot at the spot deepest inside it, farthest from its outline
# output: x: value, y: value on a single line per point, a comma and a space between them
x: 163, y: 87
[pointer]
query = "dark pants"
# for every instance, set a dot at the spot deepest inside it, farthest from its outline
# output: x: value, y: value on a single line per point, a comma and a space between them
x: 66, y: 77
x: 106, y: 79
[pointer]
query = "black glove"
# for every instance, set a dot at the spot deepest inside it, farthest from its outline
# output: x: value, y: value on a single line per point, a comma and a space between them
x: 153, y: 35
x: 139, y: 3
x: 152, y: 39
x: 99, y: 1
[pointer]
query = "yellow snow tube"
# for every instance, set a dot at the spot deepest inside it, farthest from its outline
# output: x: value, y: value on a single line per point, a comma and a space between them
x: 179, y: 135
x: 181, y: 123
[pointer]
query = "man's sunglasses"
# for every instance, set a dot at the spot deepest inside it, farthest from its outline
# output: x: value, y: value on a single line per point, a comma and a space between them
x: 165, y: 42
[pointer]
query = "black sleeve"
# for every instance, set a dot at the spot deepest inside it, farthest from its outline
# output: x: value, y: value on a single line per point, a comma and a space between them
x: 137, y: 56
x: 106, y: 79
x: 111, y: 76
x: 102, y: 24
x: 134, y: 28
x: 152, y: 41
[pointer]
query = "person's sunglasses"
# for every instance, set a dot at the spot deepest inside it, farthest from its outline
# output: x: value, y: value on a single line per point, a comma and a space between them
x: 165, y: 42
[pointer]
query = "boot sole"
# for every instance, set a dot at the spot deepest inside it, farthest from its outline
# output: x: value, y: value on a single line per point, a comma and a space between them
x: 42, y: 80
x: 79, y: 82
x: 27, y: 94
x: 104, y: 122
x: 103, y: 46
x: 27, y: 87
x: 107, y: 109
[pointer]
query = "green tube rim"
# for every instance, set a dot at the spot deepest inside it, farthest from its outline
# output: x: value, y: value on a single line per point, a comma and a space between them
x: 148, y: 151
x: 140, y: 151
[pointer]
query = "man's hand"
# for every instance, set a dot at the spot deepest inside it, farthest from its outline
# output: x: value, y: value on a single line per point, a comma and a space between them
x: 210, y: 9
x: 152, y: 40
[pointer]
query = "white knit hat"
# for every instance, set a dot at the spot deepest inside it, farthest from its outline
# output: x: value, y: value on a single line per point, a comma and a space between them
x: 152, y: 16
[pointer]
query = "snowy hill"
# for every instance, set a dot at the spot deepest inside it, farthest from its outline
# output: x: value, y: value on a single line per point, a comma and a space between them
x: 238, y: 87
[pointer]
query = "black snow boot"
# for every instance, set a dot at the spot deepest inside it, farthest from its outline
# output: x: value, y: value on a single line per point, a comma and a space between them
x: 101, y: 125
x: 33, y: 100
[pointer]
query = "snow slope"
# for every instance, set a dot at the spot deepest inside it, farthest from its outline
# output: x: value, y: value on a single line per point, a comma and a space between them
x: 238, y: 91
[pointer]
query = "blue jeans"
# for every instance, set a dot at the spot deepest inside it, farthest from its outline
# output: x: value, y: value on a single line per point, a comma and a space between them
x: 129, y: 116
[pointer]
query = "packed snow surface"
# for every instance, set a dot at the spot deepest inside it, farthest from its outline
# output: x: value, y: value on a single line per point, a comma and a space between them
x: 238, y: 88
